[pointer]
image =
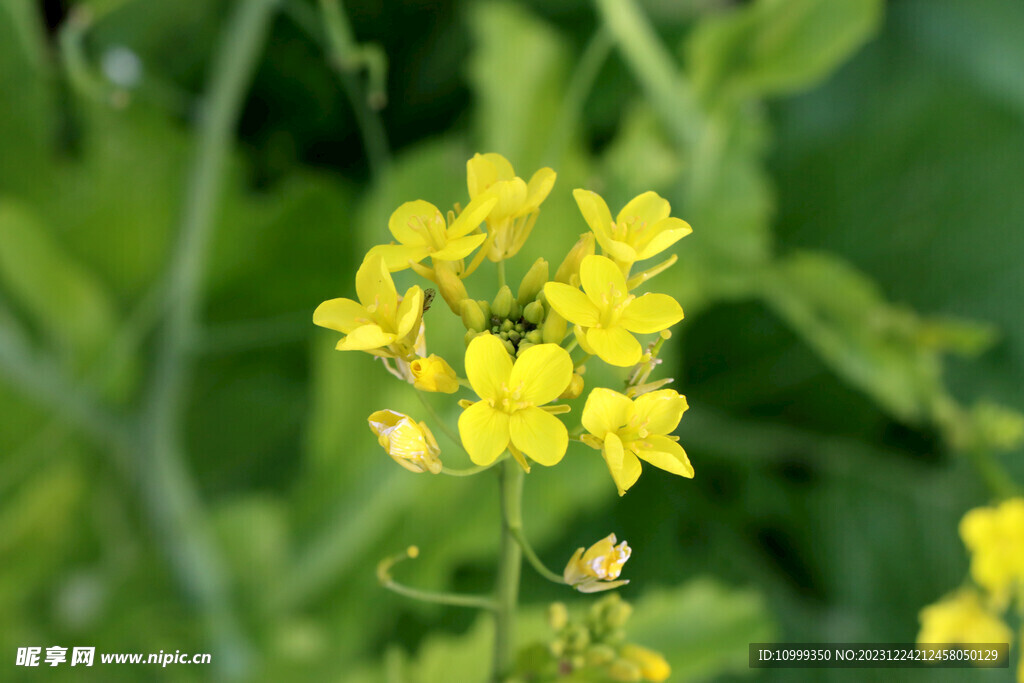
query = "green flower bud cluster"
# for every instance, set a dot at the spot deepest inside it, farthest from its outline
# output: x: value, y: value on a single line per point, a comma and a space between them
x: 520, y: 320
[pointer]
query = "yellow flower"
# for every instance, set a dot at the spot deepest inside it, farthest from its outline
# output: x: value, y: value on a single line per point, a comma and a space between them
x: 626, y: 430
x: 410, y: 443
x: 422, y: 231
x: 641, y: 230
x: 652, y: 665
x: 511, y: 219
x: 434, y: 374
x: 995, y: 537
x: 509, y: 415
x: 379, y: 323
x: 598, y: 567
x: 605, y: 313
x: 961, y: 618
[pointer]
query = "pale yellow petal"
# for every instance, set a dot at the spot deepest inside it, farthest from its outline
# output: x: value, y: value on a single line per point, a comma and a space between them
x: 571, y: 304
x: 614, y: 346
x: 484, y: 432
x: 623, y: 465
x: 666, y: 454
x: 539, y: 434
x: 602, y: 281
x: 406, y: 222
x: 662, y: 236
x: 644, y: 210
x: 541, y: 373
x: 580, y: 334
x: 605, y: 411
x: 459, y: 248
x: 480, y: 175
x: 539, y: 187
x: 511, y: 194
x: 595, y: 213
x: 398, y: 256
x: 502, y: 166
x: 651, y: 313
x: 471, y: 217
x: 365, y: 338
x: 661, y: 410
x: 488, y: 366
x: 409, y: 311
x: 375, y: 287
x: 342, y: 315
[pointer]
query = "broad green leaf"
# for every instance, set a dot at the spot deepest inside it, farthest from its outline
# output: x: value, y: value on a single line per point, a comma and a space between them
x: 773, y: 47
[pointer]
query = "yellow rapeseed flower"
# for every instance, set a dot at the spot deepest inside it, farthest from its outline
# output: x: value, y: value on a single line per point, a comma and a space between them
x: 422, y: 231
x: 410, y: 443
x: 511, y: 219
x: 652, y: 665
x: 995, y: 537
x: 961, y: 618
x: 509, y: 415
x: 641, y: 230
x: 625, y: 430
x: 379, y: 323
x: 597, y: 568
x: 434, y: 374
x: 605, y: 313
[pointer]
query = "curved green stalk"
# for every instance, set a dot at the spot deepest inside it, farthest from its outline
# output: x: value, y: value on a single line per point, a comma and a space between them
x: 506, y: 589
x: 534, y: 560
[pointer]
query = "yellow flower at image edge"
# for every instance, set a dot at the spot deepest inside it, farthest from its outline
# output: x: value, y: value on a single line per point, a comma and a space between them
x: 379, y: 323
x: 606, y: 313
x: 627, y: 431
x: 995, y: 537
x: 509, y: 414
x: 961, y: 618
x: 410, y: 443
x: 597, y: 568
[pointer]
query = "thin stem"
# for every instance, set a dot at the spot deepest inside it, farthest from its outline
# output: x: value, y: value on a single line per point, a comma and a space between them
x: 412, y: 552
x: 501, y: 274
x: 449, y: 432
x: 470, y: 471
x: 534, y: 560
x: 506, y: 590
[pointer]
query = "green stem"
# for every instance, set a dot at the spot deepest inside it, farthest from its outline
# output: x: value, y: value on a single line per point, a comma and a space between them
x: 534, y: 560
x: 501, y: 274
x: 995, y: 476
x: 474, y: 601
x: 438, y: 421
x: 506, y: 590
x: 470, y: 471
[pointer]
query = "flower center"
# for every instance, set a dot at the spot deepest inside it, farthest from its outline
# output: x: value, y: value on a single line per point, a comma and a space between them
x: 510, y: 399
x: 613, y: 303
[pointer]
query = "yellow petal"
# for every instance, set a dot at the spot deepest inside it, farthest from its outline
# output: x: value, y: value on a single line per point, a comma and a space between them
x: 541, y: 373
x: 406, y: 222
x: 511, y: 194
x: 484, y: 432
x: 644, y: 209
x: 365, y: 338
x: 539, y: 187
x: 342, y: 315
x: 626, y: 469
x: 571, y: 304
x: 665, y: 453
x: 581, y: 338
x: 662, y: 236
x: 488, y: 366
x: 397, y: 256
x: 614, y: 346
x: 471, y: 217
x: 661, y: 410
x: 539, y: 434
x: 651, y: 313
x: 375, y: 287
x: 459, y: 248
x: 409, y: 311
x: 605, y: 411
x: 502, y: 166
x: 595, y: 213
x: 603, y: 282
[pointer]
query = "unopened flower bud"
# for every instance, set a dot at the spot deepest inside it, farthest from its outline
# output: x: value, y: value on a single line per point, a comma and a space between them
x: 534, y: 337
x: 624, y: 670
x: 434, y: 374
x: 452, y: 289
x: 533, y: 282
x: 471, y: 335
x: 571, y: 265
x: 485, y: 307
x: 554, y: 328
x: 409, y: 443
x: 575, y: 387
x: 597, y: 568
x: 533, y: 312
x: 600, y: 655
x: 472, y: 316
x: 652, y: 665
x: 558, y: 616
x: 501, y: 307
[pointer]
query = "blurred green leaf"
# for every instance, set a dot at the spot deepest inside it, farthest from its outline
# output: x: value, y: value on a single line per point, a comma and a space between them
x: 773, y: 47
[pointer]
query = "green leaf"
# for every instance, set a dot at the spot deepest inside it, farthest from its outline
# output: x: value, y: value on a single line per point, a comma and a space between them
x: 778, y: 46
x: 62, y: 296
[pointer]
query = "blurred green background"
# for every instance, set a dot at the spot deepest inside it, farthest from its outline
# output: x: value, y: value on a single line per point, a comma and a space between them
x: 184, y: 459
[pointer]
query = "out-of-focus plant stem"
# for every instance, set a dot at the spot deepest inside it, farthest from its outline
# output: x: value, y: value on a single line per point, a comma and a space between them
x: 25, y: 18
x: 998, y: 481
x: 168, y: 490
x: 506, y: 590
x: 582, y: 82
x: 533, y: 559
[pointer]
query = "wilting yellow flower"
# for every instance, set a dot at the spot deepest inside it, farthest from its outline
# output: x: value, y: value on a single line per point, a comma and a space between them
x: 509, y: 415
x: 641, y: 230
x: 625, y: 430
x: 652, y: 665
x: 597, y: 568
x: 410, y: 443
x: 995, y: 537
x: 961, y: 618
x: 606, y: 313
x: 422, y: 231
x: 379, y: 323
x: 511, y: 219
x: 434, y: 374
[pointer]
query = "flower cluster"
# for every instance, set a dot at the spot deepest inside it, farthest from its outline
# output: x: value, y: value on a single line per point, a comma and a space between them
x: 526, y: 349
x: 994, y: 536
